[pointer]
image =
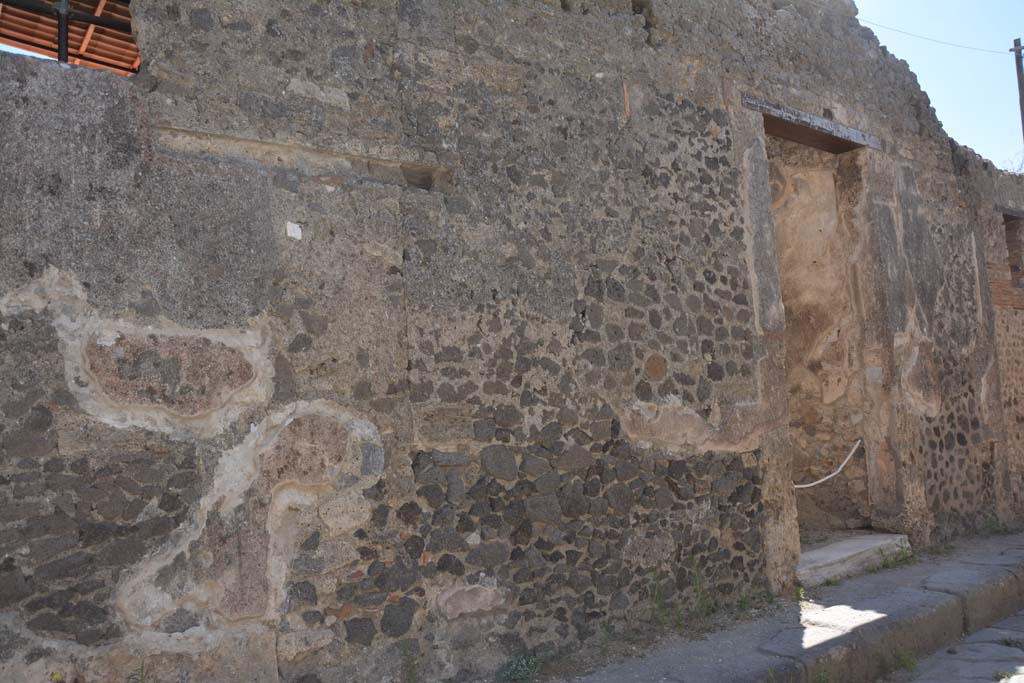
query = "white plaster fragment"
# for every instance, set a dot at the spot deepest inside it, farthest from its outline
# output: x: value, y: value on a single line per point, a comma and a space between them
x: 55, y: 290
x: 327, y: 94
x: 253, y: 344
x: 293, y: 230
x: 294, y: 644
x: 107, y: 339
x: 478, y: 599
x: 63, y: 297
x: 247, y: 650
x: 142, y: 603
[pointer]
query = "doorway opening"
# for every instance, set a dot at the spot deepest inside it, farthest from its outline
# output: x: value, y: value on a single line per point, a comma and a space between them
x: 815, y: 184
x: 835, y: 390
x: 812, y: 209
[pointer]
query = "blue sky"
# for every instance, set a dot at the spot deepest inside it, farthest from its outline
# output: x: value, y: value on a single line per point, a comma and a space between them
x: 974, y: 93
x: 18, y: 51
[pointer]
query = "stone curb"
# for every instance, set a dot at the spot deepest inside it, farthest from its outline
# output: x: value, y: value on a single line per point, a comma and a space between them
x: 940, y: 600
x: 857, y: 631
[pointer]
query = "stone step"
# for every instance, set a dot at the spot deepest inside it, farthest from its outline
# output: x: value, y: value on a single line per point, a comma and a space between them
x: 849, y: 556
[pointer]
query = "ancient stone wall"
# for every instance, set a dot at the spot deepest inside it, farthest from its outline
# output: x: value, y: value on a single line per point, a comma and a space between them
x: 355, y: 337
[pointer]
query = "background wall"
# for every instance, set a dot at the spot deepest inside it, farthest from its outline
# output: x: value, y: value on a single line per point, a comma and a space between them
x: 525, y: 363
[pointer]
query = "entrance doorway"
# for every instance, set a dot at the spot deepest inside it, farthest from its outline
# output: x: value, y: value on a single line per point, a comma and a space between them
x: 814, y: 197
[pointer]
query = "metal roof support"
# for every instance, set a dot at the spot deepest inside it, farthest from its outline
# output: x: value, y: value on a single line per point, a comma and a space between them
x: 62, y: 31
x: 72, y: 14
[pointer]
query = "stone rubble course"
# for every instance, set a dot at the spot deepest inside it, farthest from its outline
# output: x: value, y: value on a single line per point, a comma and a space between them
x: 864, y: 628
x: 379, y: 340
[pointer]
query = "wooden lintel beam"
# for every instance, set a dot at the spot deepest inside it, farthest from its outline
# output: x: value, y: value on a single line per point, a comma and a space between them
x: 808, y: 129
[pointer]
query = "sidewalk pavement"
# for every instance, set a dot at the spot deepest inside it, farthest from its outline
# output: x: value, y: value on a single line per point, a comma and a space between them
x: 861, y: 630
x: 990, y: 655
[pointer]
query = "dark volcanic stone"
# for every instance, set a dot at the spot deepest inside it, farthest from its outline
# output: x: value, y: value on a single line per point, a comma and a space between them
x: 397, y: 619
x: 285, y: 387
x: 451, y: 564
x: 410, y: 513
x: 179, y: 620
x: 499, y: 462
x: 448, y: 459
x: 301, y: 342
x: 201, y: 19
x: 302, y: 593
x: 380, y: 516
x: 313, y: 617
x: 13, y: 586
x: 544, y: 509
x: 488, y: 554
x: 398, y: 577
x: 311, y: 543
x: 360, y: 630
x: 433, y: 494
x: 72, y: 565
x: 414, y: 547
x: 508, y: 417
x: 574, y: 458
x: 620, y: 497
x: 10, y: 641
x: 533, y: 466
x: 483, y: 430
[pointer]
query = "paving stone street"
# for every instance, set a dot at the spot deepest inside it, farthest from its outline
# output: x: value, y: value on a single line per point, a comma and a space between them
x: 992, y: 654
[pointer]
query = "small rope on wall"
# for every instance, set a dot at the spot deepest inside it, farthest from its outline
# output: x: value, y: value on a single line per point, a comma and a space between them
x: 840, y: 469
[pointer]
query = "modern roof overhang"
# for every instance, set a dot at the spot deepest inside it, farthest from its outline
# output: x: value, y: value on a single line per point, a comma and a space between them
x: 93, y: 33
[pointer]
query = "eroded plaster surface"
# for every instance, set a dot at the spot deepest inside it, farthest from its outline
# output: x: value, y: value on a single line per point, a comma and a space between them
x: 301, y: 471
x: 159, y: 376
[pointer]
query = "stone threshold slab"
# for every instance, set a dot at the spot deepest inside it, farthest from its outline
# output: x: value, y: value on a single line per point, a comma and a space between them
x: 849, y: 556
x: 857, y: 631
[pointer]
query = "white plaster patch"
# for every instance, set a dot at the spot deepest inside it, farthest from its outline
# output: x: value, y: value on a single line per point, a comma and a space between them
x: 293, y: 230
x: 295, y: 644
x: 142, y: 603
x: 326, y: 94
x: 54, y: 290
x: 64, y: 298
x: 669, y: 423
x: 477, y: 599
x: 247, y: 652
x: 253, y: 344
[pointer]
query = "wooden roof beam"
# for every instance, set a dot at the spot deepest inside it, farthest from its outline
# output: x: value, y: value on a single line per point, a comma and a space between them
x: 89, y: 31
